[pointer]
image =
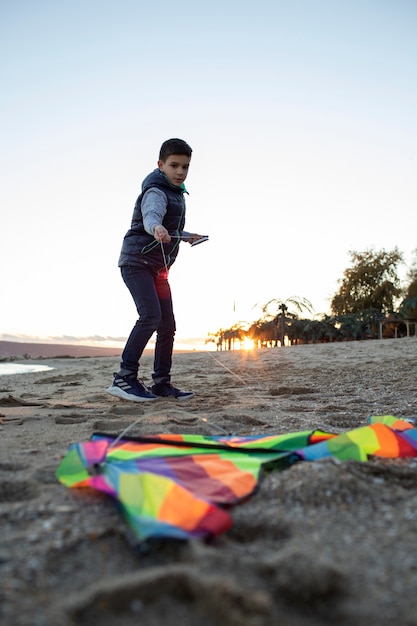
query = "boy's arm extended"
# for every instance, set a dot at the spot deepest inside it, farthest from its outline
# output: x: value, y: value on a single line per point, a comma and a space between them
x: 154, y: 207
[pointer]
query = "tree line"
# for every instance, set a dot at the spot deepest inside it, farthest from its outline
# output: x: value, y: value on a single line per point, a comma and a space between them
x: 370, y: 303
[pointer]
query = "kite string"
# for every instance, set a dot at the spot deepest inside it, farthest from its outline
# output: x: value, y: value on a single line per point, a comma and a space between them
x: 124, y: 431
x: 219, y: 429
x: 242, y: 380
x: 164, y: 257
x: 214, y: 358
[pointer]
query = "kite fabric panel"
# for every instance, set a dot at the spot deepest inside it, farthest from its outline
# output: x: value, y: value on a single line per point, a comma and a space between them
x: 179, y: 486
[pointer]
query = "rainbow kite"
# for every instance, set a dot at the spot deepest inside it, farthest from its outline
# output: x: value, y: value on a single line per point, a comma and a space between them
x: 179, y: 486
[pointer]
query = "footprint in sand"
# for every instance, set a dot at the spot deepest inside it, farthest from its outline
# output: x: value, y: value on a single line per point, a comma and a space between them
x: 98, y: 397
x: 68, y: 379
x: 248, y: 528
x: 301, y: 575
x: 180, y: 590
x: 17, y: 421
x: 124, y: 409
x: 248, y: 420
x: 344, y: 421
x: 384, y: 472
x: 70, y: 419
x: 12, y: 401
x: 17, y: 490
x: 11, y: 467
x: 291, y: 391
x: 112, y: 426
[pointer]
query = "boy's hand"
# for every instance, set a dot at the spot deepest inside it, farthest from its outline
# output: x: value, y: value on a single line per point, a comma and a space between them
x: 161, y: 234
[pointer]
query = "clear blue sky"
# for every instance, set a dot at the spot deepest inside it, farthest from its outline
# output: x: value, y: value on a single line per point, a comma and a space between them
x: 302, y: 118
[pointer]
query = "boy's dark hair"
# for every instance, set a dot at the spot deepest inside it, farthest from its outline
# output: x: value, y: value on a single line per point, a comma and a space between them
x: 174, y: 146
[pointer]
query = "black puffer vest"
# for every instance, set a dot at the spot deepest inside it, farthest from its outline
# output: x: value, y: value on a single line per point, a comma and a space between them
x: 141, y: 248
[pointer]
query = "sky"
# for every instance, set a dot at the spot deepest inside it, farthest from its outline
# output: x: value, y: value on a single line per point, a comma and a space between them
x: 302, y: 119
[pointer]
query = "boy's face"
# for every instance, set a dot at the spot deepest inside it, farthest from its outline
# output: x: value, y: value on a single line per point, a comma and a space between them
x: 175, y: 168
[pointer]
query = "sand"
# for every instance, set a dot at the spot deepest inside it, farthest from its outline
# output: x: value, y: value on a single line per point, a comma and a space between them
x: 320, y: 543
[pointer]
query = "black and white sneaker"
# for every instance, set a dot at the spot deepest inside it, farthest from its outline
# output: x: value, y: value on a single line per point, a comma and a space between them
x: 166, y: 390
x: 130, y: 388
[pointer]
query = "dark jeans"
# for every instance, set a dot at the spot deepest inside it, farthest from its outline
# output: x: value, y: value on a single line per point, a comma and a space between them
x: 152, y: 296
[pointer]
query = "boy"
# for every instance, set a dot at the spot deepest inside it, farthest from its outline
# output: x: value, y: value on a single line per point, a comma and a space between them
x: 149, y: 249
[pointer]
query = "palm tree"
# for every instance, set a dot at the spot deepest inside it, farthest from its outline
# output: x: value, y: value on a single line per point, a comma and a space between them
x: 216, y: 338
x: 300, y: 304
x: 236, y: 332
x: 264, y: 332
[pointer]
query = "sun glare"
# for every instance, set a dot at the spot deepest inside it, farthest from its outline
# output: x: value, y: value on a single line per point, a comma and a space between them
x: 248, y: 344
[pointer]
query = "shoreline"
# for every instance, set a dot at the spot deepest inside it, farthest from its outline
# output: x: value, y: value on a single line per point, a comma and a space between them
x: 40, y: 351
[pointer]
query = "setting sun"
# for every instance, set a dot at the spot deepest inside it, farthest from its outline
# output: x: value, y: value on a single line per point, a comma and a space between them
x: 248, y: 344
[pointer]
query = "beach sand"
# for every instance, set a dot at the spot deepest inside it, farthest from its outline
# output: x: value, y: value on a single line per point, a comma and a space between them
x: 320, y: 543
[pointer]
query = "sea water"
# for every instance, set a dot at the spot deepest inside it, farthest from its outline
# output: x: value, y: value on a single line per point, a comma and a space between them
x: 17, y: 368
